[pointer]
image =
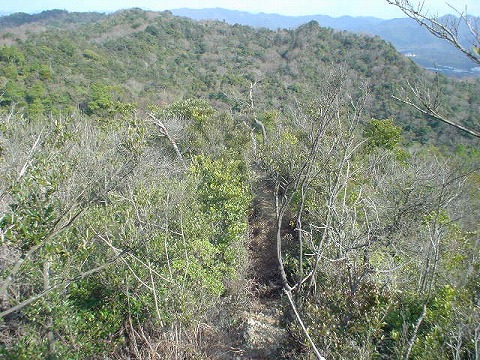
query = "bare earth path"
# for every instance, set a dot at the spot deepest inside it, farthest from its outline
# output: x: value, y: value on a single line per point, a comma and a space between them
x: 263, y: 333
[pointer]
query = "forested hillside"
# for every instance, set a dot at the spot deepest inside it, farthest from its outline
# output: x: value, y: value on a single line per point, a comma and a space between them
x: 154, y: 58
x: 405, y: 34
x: 161, y: 178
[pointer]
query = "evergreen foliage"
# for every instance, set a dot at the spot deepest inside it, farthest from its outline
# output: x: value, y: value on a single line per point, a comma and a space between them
x: 129, y: 144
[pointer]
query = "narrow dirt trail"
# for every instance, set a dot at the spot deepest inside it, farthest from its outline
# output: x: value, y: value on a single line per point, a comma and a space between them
x: 263, y: 331
x: 262, y: 247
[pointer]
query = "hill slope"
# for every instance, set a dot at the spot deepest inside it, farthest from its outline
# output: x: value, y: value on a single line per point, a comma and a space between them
x: 145, y: 57
x: 405, y: 34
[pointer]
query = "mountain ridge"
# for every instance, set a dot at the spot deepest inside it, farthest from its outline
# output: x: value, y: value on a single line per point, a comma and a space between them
x: 151, y: 57
x: 404, y: 34
x: 48, y: 16
x: 424, y: 48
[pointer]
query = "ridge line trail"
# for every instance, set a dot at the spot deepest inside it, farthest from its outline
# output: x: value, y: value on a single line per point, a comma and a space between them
x: 262, y: 249
x: 264, y: 332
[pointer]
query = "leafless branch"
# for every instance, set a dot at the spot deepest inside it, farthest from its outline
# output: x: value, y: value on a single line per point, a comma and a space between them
x: 428, y: 105
x: 304, y: 329
x: 63, y: 283
x: 445, y: 30
x: 29, y: 158
x: 252, y: 107
x: 164, y: 132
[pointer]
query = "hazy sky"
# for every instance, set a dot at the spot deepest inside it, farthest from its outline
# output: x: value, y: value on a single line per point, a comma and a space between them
x: 377, y: 8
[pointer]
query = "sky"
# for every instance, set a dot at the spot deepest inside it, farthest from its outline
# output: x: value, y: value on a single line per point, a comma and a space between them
x: 334, y: 8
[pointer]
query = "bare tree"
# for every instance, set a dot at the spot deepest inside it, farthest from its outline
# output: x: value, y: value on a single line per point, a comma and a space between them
x: 313, y: 146
x: 450, y: 29
x: 447, y: 28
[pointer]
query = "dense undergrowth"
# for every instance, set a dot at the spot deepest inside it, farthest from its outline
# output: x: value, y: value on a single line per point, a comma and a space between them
x: 126, y: 155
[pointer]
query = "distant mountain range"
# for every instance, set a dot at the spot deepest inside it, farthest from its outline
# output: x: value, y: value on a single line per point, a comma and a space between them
x: 405, y: 34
